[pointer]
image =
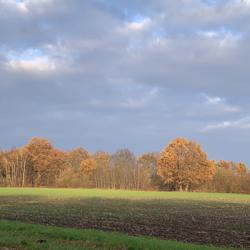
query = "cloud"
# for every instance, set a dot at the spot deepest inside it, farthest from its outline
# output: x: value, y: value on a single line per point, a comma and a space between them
x: 213, y: 100
x: 139, y: 72
x: 220, y: 104
x: 19, y: 6
x: 243, y: 123
x: 209, y: 108
x: 36, y: 64
x: 32, y: 65
x: 222, y: 37
x: 31, y: 60
x: 138, y: 25
x: 141, y: 102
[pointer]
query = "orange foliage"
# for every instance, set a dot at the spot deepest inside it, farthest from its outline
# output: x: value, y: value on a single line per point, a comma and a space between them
x: 88, y: 166
x: 46, y: 162
x: 184, y: 165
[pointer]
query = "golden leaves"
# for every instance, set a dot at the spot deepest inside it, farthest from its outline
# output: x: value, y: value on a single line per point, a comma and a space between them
x: 184, y: 164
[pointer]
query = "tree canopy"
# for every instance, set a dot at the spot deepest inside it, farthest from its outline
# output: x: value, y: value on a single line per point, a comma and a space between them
x: 184, y: 165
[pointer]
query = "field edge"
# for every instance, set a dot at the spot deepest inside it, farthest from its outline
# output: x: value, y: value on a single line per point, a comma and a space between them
x: 31, y: 236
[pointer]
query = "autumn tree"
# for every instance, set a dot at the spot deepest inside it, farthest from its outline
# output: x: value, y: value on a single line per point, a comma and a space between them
x: 146, y: 171
x: 2, y: 175
x: 122, y: 167
x: 14, y: 167
x: 71, y: 176
x: 58, y: 162
x: 184, y: 165
x: 88, y: 166
x: 230, y: 177
x: 39, y: 150
x: 181, y: 166
x: 45, y: 162
x: 76, y: 156
x: 102, y: 171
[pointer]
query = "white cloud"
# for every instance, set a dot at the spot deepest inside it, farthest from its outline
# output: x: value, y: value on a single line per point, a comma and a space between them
x: 36, y: 64
x: 25, y: 6
x: 223, y: 37
x: 243, y: 123
x: 212, y: 106
x: 135, y: 26
x: 247, y: 2
x: 50, y: 58
x: 139, y: 25
x: 20, y: 6
x: 213, y: 99
x: 220, y: 104
x: 141, y: 101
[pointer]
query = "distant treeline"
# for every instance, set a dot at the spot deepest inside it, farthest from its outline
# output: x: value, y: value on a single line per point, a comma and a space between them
x: 182, y: 165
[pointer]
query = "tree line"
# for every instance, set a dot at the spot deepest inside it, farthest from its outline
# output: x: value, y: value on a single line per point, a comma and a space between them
x: 182, y: 165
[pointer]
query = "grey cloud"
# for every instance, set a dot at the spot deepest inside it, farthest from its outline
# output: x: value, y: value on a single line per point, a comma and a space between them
x: 107, y: 74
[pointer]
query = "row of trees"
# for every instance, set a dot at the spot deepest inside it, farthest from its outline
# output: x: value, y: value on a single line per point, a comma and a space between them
x: 181, y: 166
x: 40, y: 164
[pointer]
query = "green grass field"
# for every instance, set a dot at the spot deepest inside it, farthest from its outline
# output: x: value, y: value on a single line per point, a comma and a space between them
x: 199, y: 218
x: 16, y: 235
x: 64, y: 193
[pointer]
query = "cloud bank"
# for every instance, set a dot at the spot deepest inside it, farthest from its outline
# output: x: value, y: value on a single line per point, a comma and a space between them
x: 107, y: 74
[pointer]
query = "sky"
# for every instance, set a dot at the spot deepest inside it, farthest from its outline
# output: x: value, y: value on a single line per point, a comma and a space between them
x: 112, y: 74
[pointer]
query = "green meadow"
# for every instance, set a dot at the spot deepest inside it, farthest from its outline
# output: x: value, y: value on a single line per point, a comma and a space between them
x: 16, y: 235
x: 49, y: 218
x: 65, y: 193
